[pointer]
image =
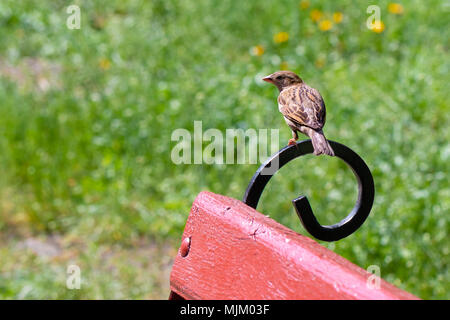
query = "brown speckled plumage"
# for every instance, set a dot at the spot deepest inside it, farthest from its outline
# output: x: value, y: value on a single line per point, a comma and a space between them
x: 303, y: 109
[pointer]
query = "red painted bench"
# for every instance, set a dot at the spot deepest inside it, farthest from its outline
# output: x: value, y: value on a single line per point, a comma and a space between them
x: 231, y: 251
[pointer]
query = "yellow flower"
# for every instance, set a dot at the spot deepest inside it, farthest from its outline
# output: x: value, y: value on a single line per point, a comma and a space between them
x: 315, y: 15
x: 337, y: 17
x: 281, y: 37
x: 304, y: 4
x: 284, y: 65
x: 395, y: 8
x: 104, y: 63
x: 320, y: 62
x: 325, y: 25
x: 378, y: 26
x: 258, y: 50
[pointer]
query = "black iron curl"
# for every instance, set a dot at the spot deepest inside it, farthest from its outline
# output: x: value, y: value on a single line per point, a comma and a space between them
x: 342, y: 229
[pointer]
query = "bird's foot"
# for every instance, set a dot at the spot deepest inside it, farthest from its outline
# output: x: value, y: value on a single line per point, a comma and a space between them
x: 292, y: 142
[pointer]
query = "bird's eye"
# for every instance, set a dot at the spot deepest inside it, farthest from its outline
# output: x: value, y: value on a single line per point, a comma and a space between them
x: 279, y: 77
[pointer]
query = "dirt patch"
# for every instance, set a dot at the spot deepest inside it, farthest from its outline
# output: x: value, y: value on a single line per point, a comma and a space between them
x: 34, y: 74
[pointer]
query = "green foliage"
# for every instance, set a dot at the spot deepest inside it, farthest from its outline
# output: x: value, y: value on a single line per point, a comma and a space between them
x: 86, y: 118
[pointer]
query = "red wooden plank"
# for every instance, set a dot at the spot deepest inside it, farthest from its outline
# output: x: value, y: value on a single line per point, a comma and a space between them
x: 234, y: 252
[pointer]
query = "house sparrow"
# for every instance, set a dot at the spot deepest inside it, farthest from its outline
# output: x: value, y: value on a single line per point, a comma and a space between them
x: 303, y: 109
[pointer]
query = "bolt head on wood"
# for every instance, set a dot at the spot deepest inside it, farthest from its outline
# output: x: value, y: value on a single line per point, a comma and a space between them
x: 185, y: 246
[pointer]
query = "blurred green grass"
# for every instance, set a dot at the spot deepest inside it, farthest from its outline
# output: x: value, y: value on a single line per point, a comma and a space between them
x: 86, y: 118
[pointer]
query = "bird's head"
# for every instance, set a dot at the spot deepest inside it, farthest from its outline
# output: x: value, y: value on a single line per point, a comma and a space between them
x: 283, y: 79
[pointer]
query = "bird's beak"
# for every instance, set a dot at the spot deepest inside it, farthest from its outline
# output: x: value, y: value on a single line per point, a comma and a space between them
x: 268, y: 79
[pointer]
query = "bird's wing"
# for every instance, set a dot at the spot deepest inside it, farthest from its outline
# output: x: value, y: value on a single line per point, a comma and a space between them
x: 303, y: 106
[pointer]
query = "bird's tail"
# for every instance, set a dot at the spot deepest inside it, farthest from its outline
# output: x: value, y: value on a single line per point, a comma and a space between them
x: 320, y: 143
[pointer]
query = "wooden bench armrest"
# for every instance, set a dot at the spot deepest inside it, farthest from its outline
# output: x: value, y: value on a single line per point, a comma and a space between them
x: 231, y: 251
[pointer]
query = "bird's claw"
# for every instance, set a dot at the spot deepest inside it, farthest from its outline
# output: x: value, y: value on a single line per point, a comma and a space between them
x: 292, y: 142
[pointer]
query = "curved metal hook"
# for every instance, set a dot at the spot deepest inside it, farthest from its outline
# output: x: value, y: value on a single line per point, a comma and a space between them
x: 342, y: 229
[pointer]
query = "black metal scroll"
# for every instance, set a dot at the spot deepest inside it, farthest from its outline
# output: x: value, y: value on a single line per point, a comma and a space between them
x: 342, y: 229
